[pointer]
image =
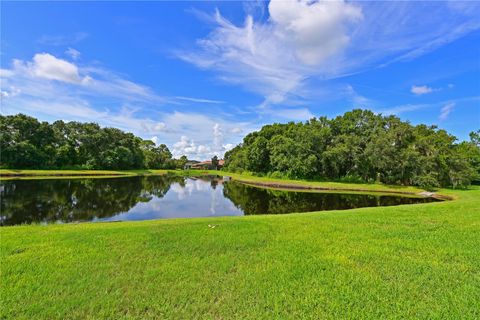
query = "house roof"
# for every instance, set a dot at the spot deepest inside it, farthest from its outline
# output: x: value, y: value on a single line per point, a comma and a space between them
x: 209, y: 162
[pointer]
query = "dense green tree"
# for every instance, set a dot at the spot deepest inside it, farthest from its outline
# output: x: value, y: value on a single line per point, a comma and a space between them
x: 181, y: 162
x: 215, y: 162
x: 258, y: 155
x: 157, y: 157
x: 359, y: 146
x: 27, y: 143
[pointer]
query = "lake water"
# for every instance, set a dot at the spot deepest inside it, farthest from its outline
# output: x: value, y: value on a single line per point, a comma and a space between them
x: 158, y: 197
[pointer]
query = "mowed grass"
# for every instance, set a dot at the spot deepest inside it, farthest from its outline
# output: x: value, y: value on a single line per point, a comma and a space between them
x: 411, y: 261
x: 72, y: 173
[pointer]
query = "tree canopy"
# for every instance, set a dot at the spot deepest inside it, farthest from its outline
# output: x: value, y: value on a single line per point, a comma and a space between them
x: 359, y: 146
x: 26, y: 142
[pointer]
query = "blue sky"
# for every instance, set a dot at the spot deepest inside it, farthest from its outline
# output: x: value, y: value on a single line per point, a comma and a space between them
x: 198, y: 76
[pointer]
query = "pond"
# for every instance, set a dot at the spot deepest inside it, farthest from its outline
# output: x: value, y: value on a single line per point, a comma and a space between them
x: 157, y: 197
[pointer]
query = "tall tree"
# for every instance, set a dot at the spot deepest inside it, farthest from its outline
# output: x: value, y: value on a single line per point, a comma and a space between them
x: 215, y: 162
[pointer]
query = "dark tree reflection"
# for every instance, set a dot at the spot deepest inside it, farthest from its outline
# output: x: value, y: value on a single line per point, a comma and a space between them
x: 27, y: 201
x: 68, y: 200
x: 252, y: 200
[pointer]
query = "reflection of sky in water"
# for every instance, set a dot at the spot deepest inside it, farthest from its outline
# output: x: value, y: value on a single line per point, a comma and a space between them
x: 157, y: 197
x: 197, y: 199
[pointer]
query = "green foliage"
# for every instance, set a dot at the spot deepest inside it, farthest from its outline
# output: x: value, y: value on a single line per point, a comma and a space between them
x: 215, y: 162
x: 27, y: 143
x: 157, y: 157
x: 359, y: 146
x: 180, y: 163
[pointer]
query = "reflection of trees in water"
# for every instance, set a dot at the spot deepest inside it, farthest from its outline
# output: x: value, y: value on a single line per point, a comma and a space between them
x: 26, y: 201
x: 254, y: 200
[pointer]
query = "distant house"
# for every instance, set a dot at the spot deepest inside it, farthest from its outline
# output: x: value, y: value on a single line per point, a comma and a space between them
x: 204, y: 165
x: 188, y: 165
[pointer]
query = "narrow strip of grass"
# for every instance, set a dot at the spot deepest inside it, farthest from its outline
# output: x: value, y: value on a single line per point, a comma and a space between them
x: 91, y: 173
x: 411, y: 261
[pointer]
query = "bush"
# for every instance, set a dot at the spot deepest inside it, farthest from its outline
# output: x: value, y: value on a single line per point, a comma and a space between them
x: 276, y: 175
x: 351, y: 179
x: 428, y: 182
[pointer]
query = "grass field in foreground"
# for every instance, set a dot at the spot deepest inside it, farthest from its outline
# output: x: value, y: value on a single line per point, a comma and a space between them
x: 411, y: 261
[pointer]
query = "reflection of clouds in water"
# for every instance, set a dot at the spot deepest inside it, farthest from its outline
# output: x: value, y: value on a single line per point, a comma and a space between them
x: 190, y: 186
x: 179, y: 190
x: 203, y: 186
x: 213, y: 202
x: 196, y: 198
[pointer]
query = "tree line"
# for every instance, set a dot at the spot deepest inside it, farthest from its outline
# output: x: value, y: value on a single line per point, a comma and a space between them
x: 359, y: 146
x: 26, y: 142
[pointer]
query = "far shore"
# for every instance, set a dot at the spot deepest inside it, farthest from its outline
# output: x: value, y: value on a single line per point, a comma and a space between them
x: 266, y: 182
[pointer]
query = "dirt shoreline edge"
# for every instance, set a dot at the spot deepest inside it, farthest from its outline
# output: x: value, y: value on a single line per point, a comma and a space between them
x: 303, y: 187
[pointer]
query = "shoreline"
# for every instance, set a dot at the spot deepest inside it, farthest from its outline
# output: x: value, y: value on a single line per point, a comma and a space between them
x: 287, y: 184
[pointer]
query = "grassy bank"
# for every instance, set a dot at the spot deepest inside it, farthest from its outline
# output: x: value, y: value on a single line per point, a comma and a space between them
x: 412, y: 261
x: 73, y: 173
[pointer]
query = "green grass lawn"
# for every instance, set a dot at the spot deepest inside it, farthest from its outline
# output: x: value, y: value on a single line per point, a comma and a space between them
x: 73, y: 173
x: 411, y: 261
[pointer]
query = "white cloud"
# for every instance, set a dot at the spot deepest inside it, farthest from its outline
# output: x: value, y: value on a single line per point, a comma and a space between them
x: 403, y: 108
x: 44, y: 65
x: 10, y: 92
x: 446, y: 106
x: 357, y: 99
x: 420, y: 90
x: 154, y: 127
x: 217, y: 136
x: 5, y: 73
x: 301, y: 40
x: 188, y: 147
x: 211, y: 146
x: 154, y: 139
x: 446, y: 110
x: 199, y: 100
x: 274, y: 58
x: 33, y: 77
x: 73, y: 53
x: 315, y: 30
x: 61, y: 40
x: 228, y: 146
x: 236, y: 130
x: 295, y: 114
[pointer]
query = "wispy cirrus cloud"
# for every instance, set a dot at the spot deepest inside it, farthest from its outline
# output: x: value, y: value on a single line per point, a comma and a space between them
x: 446, y: 110
x: 275, y: 58
x: 302, y: 40
x: 62, y: 39
x: 199, y: 100
x: 446, y: 107
x: 73, y: 53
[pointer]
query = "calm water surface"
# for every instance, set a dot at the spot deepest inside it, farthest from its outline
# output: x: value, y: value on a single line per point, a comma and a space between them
x: 156, y: 197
